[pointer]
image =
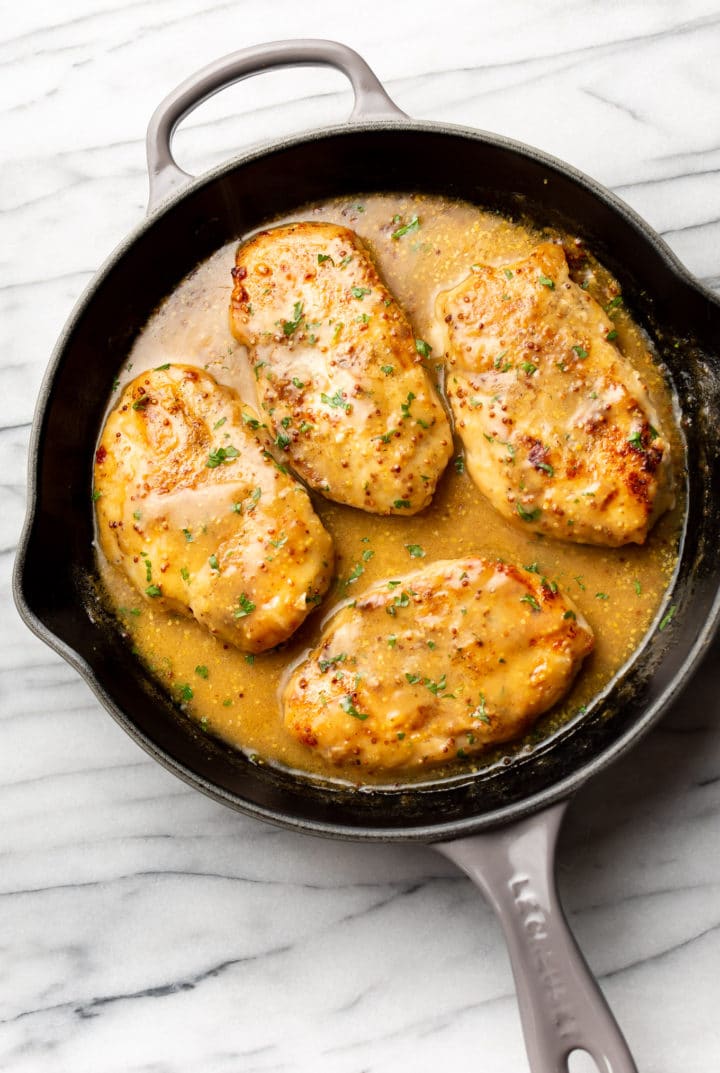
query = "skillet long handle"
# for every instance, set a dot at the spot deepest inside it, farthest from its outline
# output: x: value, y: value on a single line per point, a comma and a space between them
x: 561, y: 1006
x: 371, y: 100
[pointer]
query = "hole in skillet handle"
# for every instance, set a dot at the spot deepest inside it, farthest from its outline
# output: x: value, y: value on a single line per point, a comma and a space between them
x: 371, y: 100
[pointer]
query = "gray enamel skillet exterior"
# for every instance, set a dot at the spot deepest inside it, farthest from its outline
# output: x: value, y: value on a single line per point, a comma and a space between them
x: 500, y: 826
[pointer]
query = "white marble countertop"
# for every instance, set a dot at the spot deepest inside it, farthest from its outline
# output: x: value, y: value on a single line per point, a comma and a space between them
x: 145, y: 929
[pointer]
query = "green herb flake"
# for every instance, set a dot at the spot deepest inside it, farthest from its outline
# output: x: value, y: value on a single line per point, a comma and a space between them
x: 636, y: 441
x: 184, y: 573
x: 336, y: 400
x: 406, y: 229
x: 298, y: 383
x: 346, y: 703
x: 162, y: 368
x: 202, y: 670
x: 528, y: 599
x: 389, y: 370
x: 251, y: 422
x: 508, y: 273
x: 413, y: 679
x: 581, y: 352
x: 546, y: 467
x: 323, y: 257
x: 402, y: 504
x: 614, y: 303
x: 459, y: 464
x: 96, y: 495
x: 601, y: 596
x: 637, y: 586
x: 528, y: 368
x: 227, y: 703
x: 359, y: 292
x: 153, y: 590
x: 424, y: 349
x: 214, y: 564
x: 282, y: 440
x: 415, y: 551
x: 392, y: 640
x: 141, y: 404
x: 222, y: 454
x: 611, y: 335
x: 545, y: 281
x: 185, y: 692
x: 326, y: 664
x: 291, y: 326
x: 528, y: 515
x: 245, y: 606
x: 570, y: 614
x: 667, y: 618
x: 481, y: 711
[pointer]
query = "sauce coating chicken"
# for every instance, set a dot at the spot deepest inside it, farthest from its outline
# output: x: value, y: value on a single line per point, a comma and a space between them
x: 437, y: 664
x: 559, y: 429
x: 192, y: 506
x: 338, y: 371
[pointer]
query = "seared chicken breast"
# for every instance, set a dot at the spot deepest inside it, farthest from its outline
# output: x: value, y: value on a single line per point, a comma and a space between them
x: 559, y: 429
x: 437, y: 664
x: 338, y: 371
x: 195, y: 510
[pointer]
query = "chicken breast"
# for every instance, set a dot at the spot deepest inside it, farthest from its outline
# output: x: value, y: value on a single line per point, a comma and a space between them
x: 195, y: 510
x: 437, y: 664
x: 338, y: 370
x: 559, y: 429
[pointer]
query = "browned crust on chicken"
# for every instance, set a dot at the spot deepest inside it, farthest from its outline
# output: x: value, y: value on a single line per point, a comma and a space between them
x: 559, y: 429
x: 195, y: 510
x: 338, y: 373
x: 440, y: 663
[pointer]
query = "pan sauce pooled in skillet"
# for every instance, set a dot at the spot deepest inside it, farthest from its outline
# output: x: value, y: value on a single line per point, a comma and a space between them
x: 422, y: 245
x: 192, y: 507
x: 338, y: 370
x: 558, y: 427
x: 447, y: 659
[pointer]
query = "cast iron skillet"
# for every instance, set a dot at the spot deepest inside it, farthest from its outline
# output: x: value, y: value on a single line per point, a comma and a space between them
x: 500, y: 825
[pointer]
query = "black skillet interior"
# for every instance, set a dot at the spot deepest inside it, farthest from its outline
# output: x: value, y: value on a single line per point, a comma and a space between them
x: 55, y: 573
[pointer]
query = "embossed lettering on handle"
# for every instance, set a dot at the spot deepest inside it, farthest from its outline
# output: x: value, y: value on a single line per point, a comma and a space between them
x: 561, y: 1006
x: 371, y: 100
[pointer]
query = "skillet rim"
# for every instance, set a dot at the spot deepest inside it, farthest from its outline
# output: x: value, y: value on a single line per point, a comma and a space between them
x: 427, y: 833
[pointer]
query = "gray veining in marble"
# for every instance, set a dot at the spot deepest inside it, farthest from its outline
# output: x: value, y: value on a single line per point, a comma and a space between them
x: 145, y: 929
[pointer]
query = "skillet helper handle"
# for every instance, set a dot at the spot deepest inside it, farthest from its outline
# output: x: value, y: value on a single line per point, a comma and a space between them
x: 371, y: 100
x: 561, y: 1005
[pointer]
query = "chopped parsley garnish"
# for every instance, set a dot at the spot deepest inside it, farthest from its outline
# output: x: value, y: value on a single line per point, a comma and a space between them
x: 545, y: 281
x: 405, y: 229
x: 359, y: 292
x: 459, y: 463
x: 249, y: 658
x: 528, y: 599
x: 480, y: 712
x: 220, y: 423
x: 423, y: 348
x: 162, y: 368
x: 570, y: 614
x: 402, y: 504
x: 508, y: 273
x: 402, y: 600
x: 667, y: 618
x: 405, y: 406
x: 392, y: 640
x: 636, y: 441
x: 415, y: 551
x: 387, y: 369
x: 96, y: 495
x: 546, y: 467
x: 245, y: 606
x: 581, y: 352
x: 282, y: 440
x: 184, y: 573
x: 153, y: 590
x: 291, y: 326
x: 326, y: 664
x: 222, y: 454
x: 336, y: 400
x: 611, y: 335
x: 202, y: 670
x: 297, y: 383
x: 637, y: 586
x: 214, y: 564
x: 258, y: 367
x: 413, y: 679
x: 386, y: 436
x: 185, y: 692
x: 251, y: 422
x: 346, y: 703
x: 614, y: 303
x: 528, y: 367
x: 528, y: 515
x: 323, y: 257
x: 271, y: 458
x: 601, y: 596
x: 141, y: 403
x: 281, y: 540
x: 368, y: 554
